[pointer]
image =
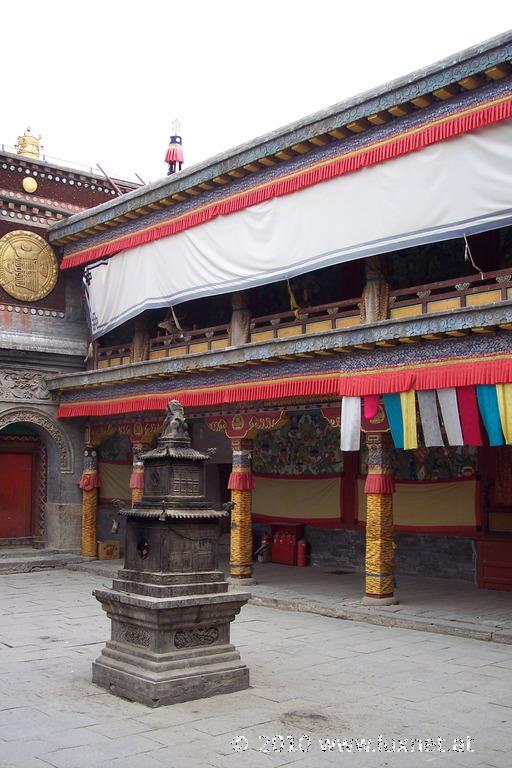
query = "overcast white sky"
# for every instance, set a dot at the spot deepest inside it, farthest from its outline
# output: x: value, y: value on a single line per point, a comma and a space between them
x: 102, y: 80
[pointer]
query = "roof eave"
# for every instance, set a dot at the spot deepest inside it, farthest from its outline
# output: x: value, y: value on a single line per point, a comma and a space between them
x: 447, y: 71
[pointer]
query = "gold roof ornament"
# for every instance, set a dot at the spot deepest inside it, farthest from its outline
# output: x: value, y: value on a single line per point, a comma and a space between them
x: 28, y: 145
x: 29, y: 184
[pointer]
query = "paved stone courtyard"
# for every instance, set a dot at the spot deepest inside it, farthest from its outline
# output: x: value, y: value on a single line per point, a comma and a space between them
x: 313, y: 677
x: 447, y: 606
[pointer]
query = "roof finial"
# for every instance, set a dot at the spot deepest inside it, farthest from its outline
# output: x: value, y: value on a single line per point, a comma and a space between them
x: 174, y: 155
x: 28, y: 145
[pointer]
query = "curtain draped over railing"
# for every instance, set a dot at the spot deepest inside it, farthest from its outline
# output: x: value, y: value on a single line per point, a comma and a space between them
x: 442, y: 191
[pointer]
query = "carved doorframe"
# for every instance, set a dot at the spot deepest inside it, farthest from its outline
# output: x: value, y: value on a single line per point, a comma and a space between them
x: 39, y: 418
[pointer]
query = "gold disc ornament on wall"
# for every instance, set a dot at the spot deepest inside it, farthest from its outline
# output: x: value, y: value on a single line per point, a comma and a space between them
x: 28, y: 266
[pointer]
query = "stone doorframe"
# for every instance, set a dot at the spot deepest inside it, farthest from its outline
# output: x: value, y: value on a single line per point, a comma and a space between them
x: 43, y: 420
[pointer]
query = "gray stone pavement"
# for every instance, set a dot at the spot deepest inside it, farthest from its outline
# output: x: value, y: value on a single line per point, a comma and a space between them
x: 445, y: 606
x: 310, y: 675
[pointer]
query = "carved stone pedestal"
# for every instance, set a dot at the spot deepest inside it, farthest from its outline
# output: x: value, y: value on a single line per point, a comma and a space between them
x: 168, y: 650
x: 169, y: 606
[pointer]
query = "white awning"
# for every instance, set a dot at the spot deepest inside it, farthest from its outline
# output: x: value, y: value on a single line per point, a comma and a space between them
x: 460, y: 186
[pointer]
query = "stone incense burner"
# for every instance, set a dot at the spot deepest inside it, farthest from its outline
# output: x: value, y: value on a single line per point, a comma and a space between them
x: 169, y: 606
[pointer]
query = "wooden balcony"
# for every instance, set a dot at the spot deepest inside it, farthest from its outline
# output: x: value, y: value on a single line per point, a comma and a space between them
x: 109, y: 357
x: 469, y: 291
x: 480, y: 289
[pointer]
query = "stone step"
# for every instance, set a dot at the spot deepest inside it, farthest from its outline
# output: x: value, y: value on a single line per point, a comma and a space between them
x: 26, y: 542
x: 8, y: 553
x: 43, y: 562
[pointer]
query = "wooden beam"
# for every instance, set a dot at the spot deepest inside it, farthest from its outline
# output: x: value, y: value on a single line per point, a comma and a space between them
x: 193, y: 191
x: 498, y: 72
x: 268, y: 161
x: 301, y: 148
x: 220, y: 180
x: 338, y: 133
x: 318, y: 141
x: 400, y: 110
x: 252, y: 168
x: 447, y: 92
x: 236, y: 173
x: 471, y: 82
x: 282, y: 155
x: 358, y: 126
x: 379, y: 118
x: 422, y: 101
x: 205, y: 185
x: 178, y: 196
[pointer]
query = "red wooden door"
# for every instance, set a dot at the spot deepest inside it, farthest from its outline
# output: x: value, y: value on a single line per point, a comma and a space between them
x: 15, y: 495
x: 495, y: 564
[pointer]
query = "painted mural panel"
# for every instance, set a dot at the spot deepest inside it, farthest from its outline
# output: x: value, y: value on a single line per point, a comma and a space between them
x: 306, y: 445
x: 447, y: 463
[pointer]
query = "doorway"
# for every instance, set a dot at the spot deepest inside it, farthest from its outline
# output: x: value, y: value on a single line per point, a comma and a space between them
x: 16, y: 495
x: 23, y: 485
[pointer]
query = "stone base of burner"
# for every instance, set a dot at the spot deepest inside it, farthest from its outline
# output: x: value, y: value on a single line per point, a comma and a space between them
x: 169, y: 650
x: 130, y: 679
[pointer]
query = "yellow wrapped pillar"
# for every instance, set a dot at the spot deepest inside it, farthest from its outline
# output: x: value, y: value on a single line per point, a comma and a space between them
x: 89, y: 483
x: 380, y: 546
x: 137, y: 476
x: 241, y: 483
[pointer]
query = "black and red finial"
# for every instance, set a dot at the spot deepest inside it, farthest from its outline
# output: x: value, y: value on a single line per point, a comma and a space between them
x: 174, y: 154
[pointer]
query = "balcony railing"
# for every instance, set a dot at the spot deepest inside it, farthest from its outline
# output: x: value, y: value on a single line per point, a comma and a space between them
x: 108, y: 357
x: 468, y: 291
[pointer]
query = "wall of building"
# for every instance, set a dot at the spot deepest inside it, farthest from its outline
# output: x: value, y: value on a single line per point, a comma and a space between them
x: 416, y: 555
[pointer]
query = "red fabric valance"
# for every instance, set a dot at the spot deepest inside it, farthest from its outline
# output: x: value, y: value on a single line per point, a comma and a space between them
x: 462, y: 121
x: 437, y: 375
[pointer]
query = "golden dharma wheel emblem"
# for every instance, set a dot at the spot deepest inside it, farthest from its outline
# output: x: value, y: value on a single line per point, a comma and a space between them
x: 28, y: 267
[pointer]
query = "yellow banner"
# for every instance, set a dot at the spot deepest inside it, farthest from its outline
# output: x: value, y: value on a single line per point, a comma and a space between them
x: 304, y: 499
x: 429, y: 504
x: 114, y: 480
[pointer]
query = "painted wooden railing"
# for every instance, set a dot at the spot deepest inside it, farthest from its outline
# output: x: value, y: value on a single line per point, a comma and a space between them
x: 468, y: 291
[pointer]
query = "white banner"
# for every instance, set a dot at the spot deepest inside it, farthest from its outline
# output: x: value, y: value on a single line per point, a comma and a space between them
x: 456, y: 187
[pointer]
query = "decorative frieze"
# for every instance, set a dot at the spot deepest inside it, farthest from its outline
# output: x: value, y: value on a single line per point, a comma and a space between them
x: 22, y: 384
x: 128, y: 633
x: 188, y: 638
